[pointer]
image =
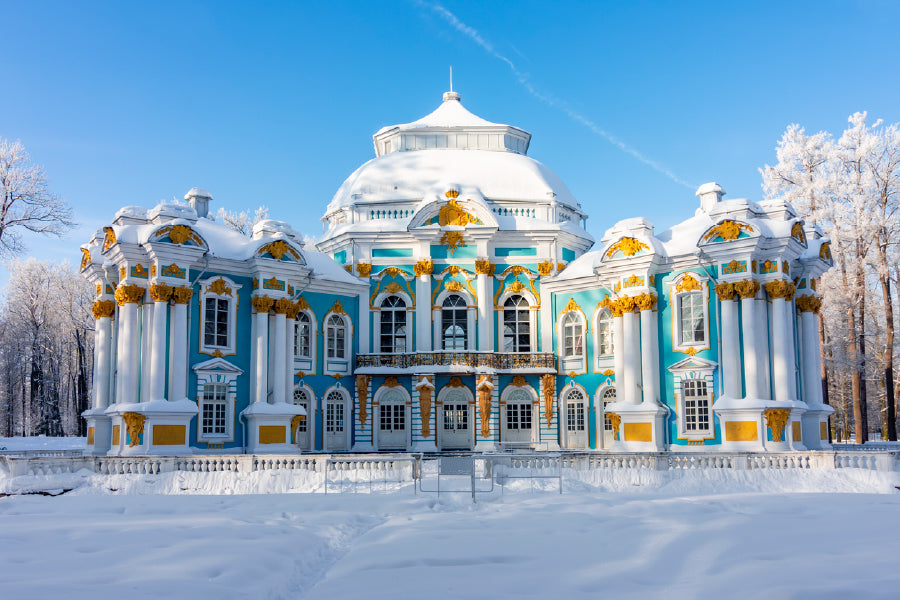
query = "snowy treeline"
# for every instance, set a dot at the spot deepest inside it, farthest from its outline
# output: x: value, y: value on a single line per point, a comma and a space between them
x: 850, y: 187
x: 46, y: 350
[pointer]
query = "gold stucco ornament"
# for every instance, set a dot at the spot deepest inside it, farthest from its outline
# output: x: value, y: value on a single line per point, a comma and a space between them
x: 219, y: 287
x: 423, y: 267
x: 103, y: 308
x: 725, y: 291
x: 628, y: 246
x: 182, y: 295
x: 425, y: 389
x: 776, y: 419
x: 548, y: 382
x: 727, y: 230
x: 134, y: 425
x: 484, y: 267
x: 132, y: 294
x: 484, y: 403
x: 809, y: 303
x: 688, y: 283
x: 453, y: 213
x: 362, y: 391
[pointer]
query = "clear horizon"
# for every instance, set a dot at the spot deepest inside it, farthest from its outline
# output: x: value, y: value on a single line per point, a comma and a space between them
x: 633, y: 106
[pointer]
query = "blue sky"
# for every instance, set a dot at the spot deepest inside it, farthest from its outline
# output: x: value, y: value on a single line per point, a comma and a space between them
x: 274, y: 104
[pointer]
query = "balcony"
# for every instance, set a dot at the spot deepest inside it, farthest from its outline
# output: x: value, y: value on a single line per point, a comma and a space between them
x: 456, y: 362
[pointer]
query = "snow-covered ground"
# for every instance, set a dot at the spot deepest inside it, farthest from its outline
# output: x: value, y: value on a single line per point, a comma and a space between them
x: 614, y: 534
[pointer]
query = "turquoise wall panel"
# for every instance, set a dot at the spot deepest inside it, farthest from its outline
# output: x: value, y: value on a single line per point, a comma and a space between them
x: 513, y: 252
x: 392, y: 253
x: 460, y: 252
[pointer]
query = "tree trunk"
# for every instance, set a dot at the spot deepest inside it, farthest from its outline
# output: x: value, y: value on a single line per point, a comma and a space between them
x: 861, y: 349
x: 824, y: 360
x: 891, y: 415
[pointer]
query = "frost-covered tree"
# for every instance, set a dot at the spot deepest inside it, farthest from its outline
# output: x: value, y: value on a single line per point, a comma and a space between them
x: 243, y: 221
x: 26, y: 203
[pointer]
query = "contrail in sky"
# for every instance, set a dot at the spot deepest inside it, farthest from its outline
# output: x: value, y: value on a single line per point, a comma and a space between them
x: 548, y: 99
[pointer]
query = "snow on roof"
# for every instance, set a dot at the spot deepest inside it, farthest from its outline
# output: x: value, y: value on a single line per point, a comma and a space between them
x: 451, y: 113
x: 414, y: 175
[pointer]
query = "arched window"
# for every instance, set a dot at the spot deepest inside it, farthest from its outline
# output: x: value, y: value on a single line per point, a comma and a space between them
x: 605, y: 333
x: 301, y: 398
x: 393, y: 325
x: 336, y: 337
x: 454, y: 323
x: 609, y: 396
x: 302, y: 337
x: 692, y: 315
x: 573, y: 335
x: 575, y: 403
x: 218, y: 323
x: 516, y: 325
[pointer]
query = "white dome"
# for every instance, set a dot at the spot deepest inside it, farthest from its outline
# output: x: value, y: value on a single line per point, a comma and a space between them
x: 418, y: 175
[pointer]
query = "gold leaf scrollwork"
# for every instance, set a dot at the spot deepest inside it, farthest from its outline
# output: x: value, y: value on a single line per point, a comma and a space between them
x: 825, y: 251
x: 364, y: 269
x: 393, y: 287
x: 160, y: 292
x: 776, y: 419
x: 733, y: 267
x: 484, y: 267
x: 797, y: 232
x: 545, y: 268
x: 727, y: 230
x: 454, y: 286
x: 219, y: 287
x: 362, y: 391
x: 85, y: 258
x: 172, y: 270
x: 425, y: 388
x: 284, y: 306
x: 452, y: 240
x: 109, y: 238
x: 423, y: 267
x: 338, y: 308
x: 628, y: 246
x: 781, y: 289
x: 453, y: 213
x: 627, y: 304
x: 725, y: 291
x: 302, y: 304
x: 518, y: 381
x: 103, y: 308
x: 747, y: 288
x: 572, y: 305
x: 688, y: 283
x: 548, y: 382
x: 182, y: 295
x: 615, y: 421
x: 633, y: 281
x: 126, y: 294
x: 134, y: 425
x: 809, y: 303
x: 645, y: 301
x: 517, y: 286
x: 455, y: 382
x: 484, y: 389
x: 262, y: 304
x: 278, y: 249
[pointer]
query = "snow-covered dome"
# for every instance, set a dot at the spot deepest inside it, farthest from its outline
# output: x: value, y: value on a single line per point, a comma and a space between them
x: 451, y: 147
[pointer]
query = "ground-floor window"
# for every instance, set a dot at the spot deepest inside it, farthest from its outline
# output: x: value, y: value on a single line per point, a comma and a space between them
x: 214, y: 409
x: 696, y: 405
x: 609, y: 396
x: 301, y: 399
x: 393, y: 417
x: 575, y: 411
x: 334, y: 413
x: 518, y: 416
x: 456, y: 416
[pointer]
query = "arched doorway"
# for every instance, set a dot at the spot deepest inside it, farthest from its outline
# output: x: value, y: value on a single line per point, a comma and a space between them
x: 574, y: 409
x: 456, y: 420
x: 393, y: 420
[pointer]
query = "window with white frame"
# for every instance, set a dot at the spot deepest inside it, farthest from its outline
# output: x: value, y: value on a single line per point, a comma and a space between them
x: 605, y: 333
x: 393, y: 416
x: 575, y: 402
x: 516, y: 325
x: 609, y: 396
x: 573, y: 335
x: 393, y: 325
x: 303, y: 336
x: 301, y: 398
x: 218, y: 308
x: 454, y: 323
x: 692, y: 315
x: 697, y: 414
x: 336, y: 337
x: 334, y: 412
x: 518, y: 414
x: 214, y: 410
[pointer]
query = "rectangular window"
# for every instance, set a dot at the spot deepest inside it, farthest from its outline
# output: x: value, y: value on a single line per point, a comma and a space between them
x: 575, y: 416
x: 214, y: 409
x: 215, y: 328
x: 518, y: 416
x: 334, y: 417
x: 696, y: 405
x: 692, y: 318
x: 301, y: 339
x: 393, y: 417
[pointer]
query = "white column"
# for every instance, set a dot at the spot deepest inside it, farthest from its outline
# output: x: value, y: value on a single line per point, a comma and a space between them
x: 160, y: 295
x: 289, y: 357
x: 102, y: 339
x: 619, y: 353
x: 423, y: 312
x: 128, y: 363
x: 747, y: 290
x: 260, y: 349
x: 809, y: 353
x: 145, y: 333
x: 631, y: 346
x: 485, y: 314
x: 730, y: 341
x: 648, y: 361
x: 179, y: 343
x: 363, y: 327
x: 277, y: 347
x: 790, y: 349
x: 780, y: 370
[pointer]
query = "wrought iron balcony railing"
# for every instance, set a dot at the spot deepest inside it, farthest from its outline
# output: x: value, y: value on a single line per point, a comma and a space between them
x: 501, y: 361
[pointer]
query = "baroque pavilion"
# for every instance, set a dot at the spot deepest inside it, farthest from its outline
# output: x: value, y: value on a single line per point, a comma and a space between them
x: 455, y: 303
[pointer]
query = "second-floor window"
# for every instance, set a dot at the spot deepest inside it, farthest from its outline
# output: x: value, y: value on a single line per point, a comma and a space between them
x: 454, y: 323
x: 393, y: 325
x: 516, y: 325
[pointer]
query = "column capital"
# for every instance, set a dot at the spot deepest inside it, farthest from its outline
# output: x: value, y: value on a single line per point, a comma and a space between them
x: 725, y: 291
x: 626, y: 304
x: 284, y: 306
x: 129, y: 294
x: 424, y: 267
x: 545, y: 269
x: 364, y: 269
x: 484, y: 267
x: 161, y: 292
x: 747, y: 288
x: 103, y: 308
x: 262, y: 304
x: 781, y: 289
x: 809, y: 303
x: 645, y: 301
x: 182, y: 295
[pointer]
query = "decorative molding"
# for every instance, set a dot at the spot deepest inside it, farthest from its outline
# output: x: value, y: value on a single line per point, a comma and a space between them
x: 735, y: 266
x: 362, y: 391
x: 425, y: 389
x: 337, y: 308
x: 283, y: 306
x: 781, y: 289
x: 423, y: 267
x: 572, y: 305
x: 455, y: 382
x: 129, y: 294
x: 484, y: 267
x: 519, y: 381
x: 825, y: 251
x: 548, y: 383
x: 645, y: 301
x: 302, y: 304
x: 109, y: 238
x: 614, y: 420
x: 85, y: 258
x: 161, y: 292
x: 452, y: 240
x: 768, y: 267
x: 262, y: 304
x: 628, y: 246
x: 134, y: 426
x: 809, y: 303
x: 278, y: 249
x: 219, y: 287
x: 633, y: 281
x: 182, y: 295
x: 797, y: 232
x: 746, y: 288
x: 484, y: 389
x: 688, y: 283
x: 103, y: 309
x: 453, y: 213
x: 391, y: 382
x: 364, y: 269
x: 545, y: 268
x: 172, y: 270
x: 725, y: 291
x: 727, y: 230
x: 273, y: 283
x: 776, y: 419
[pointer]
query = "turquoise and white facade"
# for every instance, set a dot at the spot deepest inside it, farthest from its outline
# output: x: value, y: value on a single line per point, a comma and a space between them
x: 456, y: 302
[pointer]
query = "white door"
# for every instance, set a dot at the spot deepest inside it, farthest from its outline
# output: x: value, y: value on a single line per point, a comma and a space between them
x: 517, y: 418
x: 301, y: 434
x: 576, y: 431
x: 335, y: 422
x: 609, y: 436
x: 456, y: 420
x: 393, y: 432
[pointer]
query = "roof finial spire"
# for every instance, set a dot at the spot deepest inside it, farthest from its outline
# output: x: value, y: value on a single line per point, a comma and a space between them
x: 451, y: 95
